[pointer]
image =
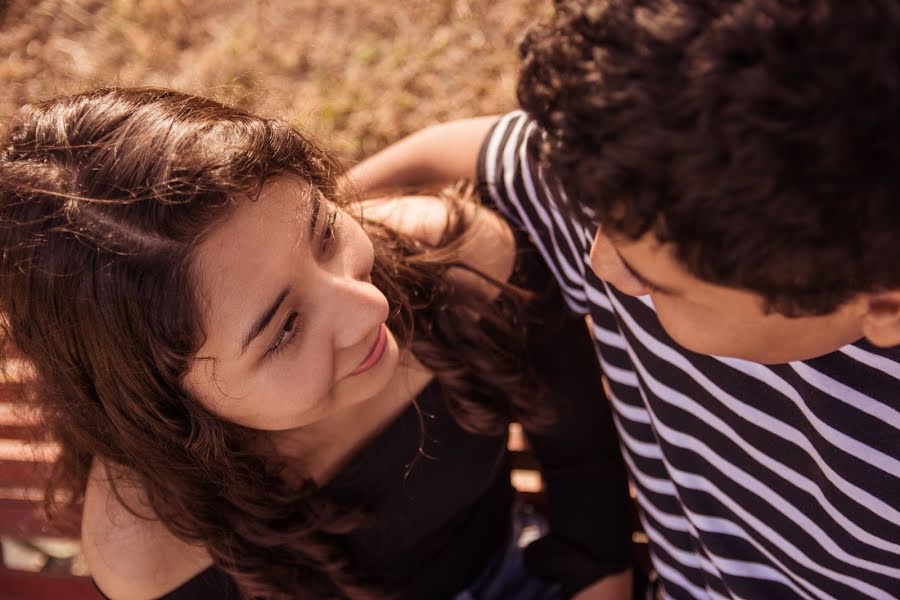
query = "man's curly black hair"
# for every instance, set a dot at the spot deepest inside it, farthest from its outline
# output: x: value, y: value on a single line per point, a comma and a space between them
x: 761, y: 138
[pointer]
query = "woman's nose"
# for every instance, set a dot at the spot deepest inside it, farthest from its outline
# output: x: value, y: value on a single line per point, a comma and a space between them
x: 357, y: 309
x: 356, y: 306
x: 355, y: 259
x: 608, y: 265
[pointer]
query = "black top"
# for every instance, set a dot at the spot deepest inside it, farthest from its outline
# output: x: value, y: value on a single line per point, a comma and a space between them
x: 442, y: 514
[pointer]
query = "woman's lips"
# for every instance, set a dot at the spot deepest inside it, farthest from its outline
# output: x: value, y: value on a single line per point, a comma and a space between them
x: 375, y: 353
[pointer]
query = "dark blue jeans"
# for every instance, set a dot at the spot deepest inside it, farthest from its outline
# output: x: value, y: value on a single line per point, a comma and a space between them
x: 505, y: 578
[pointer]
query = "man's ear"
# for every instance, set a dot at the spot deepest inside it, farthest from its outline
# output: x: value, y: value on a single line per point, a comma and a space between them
x: 881, y: 318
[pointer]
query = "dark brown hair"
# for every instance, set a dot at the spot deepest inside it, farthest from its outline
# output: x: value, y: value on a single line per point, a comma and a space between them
x: 103, y: 198
x: 759, y: 137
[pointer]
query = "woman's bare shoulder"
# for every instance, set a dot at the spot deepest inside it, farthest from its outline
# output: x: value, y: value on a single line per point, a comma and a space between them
x: 491, y: 246
x: 131, y: 557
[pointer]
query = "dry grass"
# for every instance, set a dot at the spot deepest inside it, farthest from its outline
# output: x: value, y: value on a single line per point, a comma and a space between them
x: 356, y: 74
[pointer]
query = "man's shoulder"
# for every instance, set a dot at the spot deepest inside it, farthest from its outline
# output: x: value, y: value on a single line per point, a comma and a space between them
x: 514, y: 175
x: 505, y: 149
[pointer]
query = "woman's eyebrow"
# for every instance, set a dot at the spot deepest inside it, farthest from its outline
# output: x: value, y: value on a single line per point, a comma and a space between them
x: 637, y: 275
x: 260, y: 324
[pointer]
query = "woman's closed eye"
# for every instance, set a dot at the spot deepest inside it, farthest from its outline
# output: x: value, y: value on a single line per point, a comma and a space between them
x: 329, y: 231
x: 286, y: 335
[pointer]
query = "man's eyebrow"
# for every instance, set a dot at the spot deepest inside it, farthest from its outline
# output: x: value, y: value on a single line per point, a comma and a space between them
x: 264, y: 319
x: 644, y: 280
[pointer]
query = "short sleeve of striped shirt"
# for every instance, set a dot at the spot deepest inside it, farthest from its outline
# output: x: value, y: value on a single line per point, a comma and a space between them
x: 510, y: 180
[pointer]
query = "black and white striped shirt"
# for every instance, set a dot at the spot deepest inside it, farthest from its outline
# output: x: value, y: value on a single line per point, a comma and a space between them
x: 753, y: 481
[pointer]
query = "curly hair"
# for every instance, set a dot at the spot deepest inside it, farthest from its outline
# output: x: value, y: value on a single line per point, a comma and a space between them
x: 757, y: 137
x: 104, y: 197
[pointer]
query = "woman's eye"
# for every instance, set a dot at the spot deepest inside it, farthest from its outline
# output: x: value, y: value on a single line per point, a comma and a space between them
x: 329, y: 233
x: 285, y: 335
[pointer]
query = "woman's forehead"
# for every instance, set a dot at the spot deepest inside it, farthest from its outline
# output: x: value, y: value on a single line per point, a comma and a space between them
x: 249, y: 257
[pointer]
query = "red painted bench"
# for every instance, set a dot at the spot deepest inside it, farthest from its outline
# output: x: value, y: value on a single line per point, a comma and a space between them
x: 37, y: 561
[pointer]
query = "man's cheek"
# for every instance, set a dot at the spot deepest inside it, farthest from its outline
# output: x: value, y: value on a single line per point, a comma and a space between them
x: 687, y: 332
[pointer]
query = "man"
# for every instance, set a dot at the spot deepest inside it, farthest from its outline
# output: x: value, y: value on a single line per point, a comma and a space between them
x: 715, y: 183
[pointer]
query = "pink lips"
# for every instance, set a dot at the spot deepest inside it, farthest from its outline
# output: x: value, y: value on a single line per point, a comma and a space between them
x: 375, y: 354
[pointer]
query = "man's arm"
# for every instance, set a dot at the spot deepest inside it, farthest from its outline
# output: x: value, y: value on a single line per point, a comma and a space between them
x: 437, y: 154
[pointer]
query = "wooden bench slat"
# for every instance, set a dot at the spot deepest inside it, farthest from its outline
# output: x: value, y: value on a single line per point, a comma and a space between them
x: 14, y: 370
x: 21, y: 585
x: 28, y: 451
x: 22, y: 519
x: 13, y: 413
x: 527, y: 480
x: 11, y: 393
x: 524, y: 460
x: 18, y: 432
x: 21, y: 474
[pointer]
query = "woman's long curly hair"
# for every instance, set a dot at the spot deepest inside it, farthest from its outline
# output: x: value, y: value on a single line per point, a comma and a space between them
x: 104, y: 196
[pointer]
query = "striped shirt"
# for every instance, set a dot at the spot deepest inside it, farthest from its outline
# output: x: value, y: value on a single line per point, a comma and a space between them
x: 753, y: 481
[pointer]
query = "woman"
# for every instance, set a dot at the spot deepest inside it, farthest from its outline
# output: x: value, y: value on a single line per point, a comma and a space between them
x: 260, y: 392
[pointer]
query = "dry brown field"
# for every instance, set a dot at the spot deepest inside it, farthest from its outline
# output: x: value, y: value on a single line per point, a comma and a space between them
x: 356, y: 74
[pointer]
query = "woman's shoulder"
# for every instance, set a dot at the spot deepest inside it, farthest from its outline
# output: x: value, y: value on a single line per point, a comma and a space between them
x: 132, y: 555
x: 490, y: 246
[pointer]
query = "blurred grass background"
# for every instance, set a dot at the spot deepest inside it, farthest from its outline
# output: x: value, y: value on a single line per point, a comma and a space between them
x: 356, y: 74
